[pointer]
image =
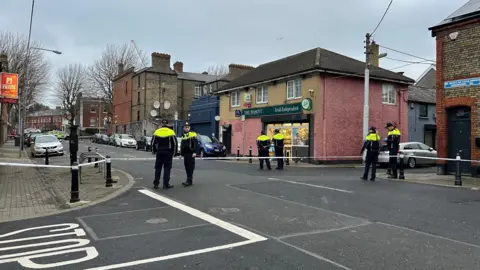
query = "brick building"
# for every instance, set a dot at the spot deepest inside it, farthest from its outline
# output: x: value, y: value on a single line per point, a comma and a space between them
x: 458, y: 87
x: 92, y: 114
x: 46, y: 120
x: 312, y: 97
x: 122, y: 96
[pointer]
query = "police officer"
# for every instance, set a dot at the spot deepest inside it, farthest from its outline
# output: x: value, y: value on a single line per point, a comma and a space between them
x: 372, y: 145
x: 389, y: 170
x: 188, y: 149
x: 393, y: 145
x: 164, y: 143
x: 263, y: 144
x: 278, y: 144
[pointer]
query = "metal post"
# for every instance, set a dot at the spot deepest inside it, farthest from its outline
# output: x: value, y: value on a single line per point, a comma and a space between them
x: 238, y: 152
x: 458, y: 174
x: 89, y: 158
x: 367, y: 86
x: 46, y: 157
x: 402, y: 157
x: 74, y: 194
x: 250, y: 154
x: 287, y: 158
x: 108, y: 178
x: 96, y: 158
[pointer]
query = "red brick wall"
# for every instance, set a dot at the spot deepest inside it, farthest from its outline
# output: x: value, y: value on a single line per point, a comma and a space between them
x: 253, y: 126
x: 87, y: 115
x: 122, y: 100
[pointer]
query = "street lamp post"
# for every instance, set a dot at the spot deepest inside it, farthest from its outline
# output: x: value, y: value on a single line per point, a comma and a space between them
x: 22, y: 99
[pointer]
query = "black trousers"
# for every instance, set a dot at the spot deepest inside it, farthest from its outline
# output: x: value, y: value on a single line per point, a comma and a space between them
x: 264, y: 157
x: 370, y: 159
x: 392, y: 162
x: 163, y: 160
x: 189, y: 162
x: 279, y: 155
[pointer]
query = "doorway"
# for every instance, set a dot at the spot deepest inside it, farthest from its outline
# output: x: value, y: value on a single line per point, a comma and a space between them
x: 227, y: 137
x: 459, y: 137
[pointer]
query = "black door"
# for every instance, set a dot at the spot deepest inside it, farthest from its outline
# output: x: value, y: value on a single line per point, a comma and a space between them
x: 459, y: 137
x: 227, y: 137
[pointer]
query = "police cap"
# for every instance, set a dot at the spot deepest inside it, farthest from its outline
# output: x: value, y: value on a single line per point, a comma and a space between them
x: 373, y: 128
x: 262, y: 132
x: 277, y: 130
x: 164, y: 122
x: 389, y: 125
x: 187, y: 124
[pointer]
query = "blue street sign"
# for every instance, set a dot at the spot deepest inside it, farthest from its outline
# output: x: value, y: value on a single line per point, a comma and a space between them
x: 462, y: 83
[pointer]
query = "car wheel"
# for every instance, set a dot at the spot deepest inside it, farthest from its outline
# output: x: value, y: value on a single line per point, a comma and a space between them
x: 412, y: 163
x: 145, y: 148
x: 61, y: 154
x: 136, y: 147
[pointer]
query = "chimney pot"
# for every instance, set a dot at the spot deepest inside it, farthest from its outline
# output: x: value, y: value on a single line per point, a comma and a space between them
x: 120, y: 68
x: 206, y: 73
x: 178, y: 67
x: 401, y: 72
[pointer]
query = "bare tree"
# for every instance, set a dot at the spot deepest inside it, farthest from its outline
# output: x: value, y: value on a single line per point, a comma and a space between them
x: 15, y: 47
x: 70, y: 81
x: 218, y: 70
x: 103, y: 70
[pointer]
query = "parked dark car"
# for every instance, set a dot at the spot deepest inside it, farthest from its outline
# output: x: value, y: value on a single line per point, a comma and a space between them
x: 30, y: 137
x: 210, y: 146
x: 145, y: 143
x: 105, y: 139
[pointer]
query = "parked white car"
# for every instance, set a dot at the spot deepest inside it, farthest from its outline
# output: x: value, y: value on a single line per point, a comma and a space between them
x: 125, y: 140
x: 43, y: 143
x: 413, y: 153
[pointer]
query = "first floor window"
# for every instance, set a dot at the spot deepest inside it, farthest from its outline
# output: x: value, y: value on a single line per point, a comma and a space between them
x: 198, y: 91
x: 235, y: 99
x: 423, y: 108
x: 294, y: 89
x: 262, y: 95
x: 389, y: 94
x: 93, y: 122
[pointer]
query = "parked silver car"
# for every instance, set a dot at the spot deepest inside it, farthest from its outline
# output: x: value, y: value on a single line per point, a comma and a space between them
x: 413, y: 151
x: 43, y: 143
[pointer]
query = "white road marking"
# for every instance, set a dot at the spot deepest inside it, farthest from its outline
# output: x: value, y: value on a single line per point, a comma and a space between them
x: 174, y: 256
x: 204, y: 216
x: 157, y: 231
x: 311, y: 185
x: 129, y: 156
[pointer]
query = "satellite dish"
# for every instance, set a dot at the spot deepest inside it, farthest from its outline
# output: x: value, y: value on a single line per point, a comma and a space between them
x: 153, y: 113
x: 156, y: 104
x: 217, y: 118
x: 166, y: 105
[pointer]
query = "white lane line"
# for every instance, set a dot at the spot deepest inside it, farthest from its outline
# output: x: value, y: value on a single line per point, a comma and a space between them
x: 129, y: 156
x: 173, y: 256
x: 311, y: 185
x: 204, y: 216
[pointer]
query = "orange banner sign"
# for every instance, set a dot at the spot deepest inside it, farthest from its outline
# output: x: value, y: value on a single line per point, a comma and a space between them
x: 8, y: 85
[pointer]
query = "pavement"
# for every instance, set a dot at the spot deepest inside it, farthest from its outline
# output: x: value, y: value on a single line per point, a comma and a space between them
x: 27, y: 192
x: 239, y: 217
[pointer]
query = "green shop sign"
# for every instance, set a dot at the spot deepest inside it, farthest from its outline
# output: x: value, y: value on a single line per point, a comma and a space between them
x: 293, y: 108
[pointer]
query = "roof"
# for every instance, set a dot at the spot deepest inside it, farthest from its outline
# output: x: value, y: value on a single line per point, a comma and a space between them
x: 54, y: 112
x: 423, y: 95
x: 428, y: 79
x: 317, y: 59
x: 196, y: 76
x: 468, y: 11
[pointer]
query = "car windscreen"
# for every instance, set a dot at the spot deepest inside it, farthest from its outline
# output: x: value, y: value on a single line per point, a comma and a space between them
x: 126, y: 136
x: 148, y: 139
x: 207, y: 139
x: 45, y: 139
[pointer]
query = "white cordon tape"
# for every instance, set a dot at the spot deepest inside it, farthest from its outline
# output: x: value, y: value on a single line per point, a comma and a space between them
x: 48, y: 166
x: 406, y: 157
x: 91, y: 163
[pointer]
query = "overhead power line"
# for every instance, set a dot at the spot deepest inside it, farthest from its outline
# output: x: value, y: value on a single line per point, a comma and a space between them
x: 385, y: 13
x: 405, y: 61
x: 406, y: 53
x: 406, y: 65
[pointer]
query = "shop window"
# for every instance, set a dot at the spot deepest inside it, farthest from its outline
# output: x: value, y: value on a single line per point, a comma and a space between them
x: 235, y: 99
x: 423, y: 108
x: 294, y: 89
x: 262, y: 95
x: 295, y: 134
x: 389, y: 94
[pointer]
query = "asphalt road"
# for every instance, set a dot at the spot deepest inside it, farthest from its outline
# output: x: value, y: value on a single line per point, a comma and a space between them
x: 238, y: 217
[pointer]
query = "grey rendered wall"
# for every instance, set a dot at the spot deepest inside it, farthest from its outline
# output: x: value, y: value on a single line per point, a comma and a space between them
x: 416, y: 123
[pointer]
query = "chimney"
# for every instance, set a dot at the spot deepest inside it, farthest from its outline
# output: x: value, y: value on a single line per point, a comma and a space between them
x: 236, y: 70
x: 3, y: 62
x: 161, y: 62
x: 178, y: 67
x: 120, y: 68
x: 374, y: 51
x: 400, y: 72
x: 206, y: 73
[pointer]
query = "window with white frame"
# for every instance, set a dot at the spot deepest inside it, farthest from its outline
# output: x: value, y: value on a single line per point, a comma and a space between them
x: 235, y: 99
x: 389, y: 94
x: 294, y: 89
x: 211, y: 88
x: 261, y: 95
x: 205, y: 90
x: 93, y: 122
x: 198, y: 91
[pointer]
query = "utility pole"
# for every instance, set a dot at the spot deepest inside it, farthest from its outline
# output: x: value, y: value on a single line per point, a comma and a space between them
x: 367, y: 84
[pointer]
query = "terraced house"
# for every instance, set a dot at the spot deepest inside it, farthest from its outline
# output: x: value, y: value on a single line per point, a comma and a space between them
x: 316, y: 99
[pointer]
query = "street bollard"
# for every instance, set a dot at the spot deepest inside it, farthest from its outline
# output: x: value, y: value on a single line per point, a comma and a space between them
x: 46, y: 157
x: 250, y: 154
x: 287, y: 158
x: 74, y: 194
x: 238, y: 152
x: 402, y: 165
x: 96, y: 158
x: 89, y: 158
x: 458, y: 175
x: 108, y: 178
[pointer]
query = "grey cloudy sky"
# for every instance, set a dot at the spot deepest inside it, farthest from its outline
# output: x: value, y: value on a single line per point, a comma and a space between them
x: 204, y: 32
